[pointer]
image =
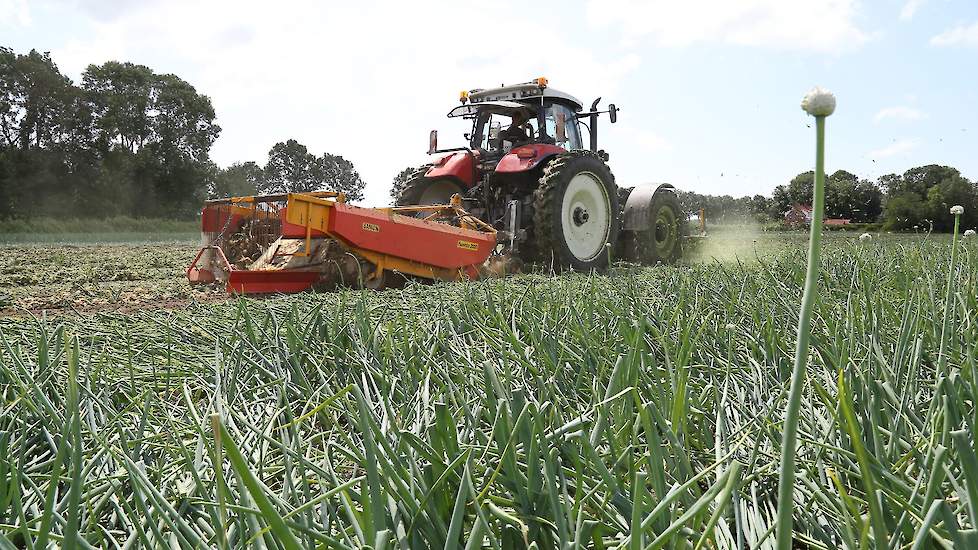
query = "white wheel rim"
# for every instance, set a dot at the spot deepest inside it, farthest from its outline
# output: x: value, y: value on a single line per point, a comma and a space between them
x: 439, y: 192
x: 585, y: 216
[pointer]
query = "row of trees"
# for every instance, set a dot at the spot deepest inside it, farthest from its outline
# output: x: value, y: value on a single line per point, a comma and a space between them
x: 124, y: 141
x: 290, y: 168
x: 128, y: 141
x: 920, y: 197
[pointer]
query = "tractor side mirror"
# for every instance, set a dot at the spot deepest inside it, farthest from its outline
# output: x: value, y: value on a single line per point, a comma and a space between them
x: 612, y: 112
x: 432, y: 142
x: 561, y: 127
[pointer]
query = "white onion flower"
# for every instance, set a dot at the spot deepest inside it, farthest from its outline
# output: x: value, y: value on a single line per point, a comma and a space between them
x: 731, y: 326
x: 969, y: 233
x: 865, y: 237
x: 818, y: 102
x: 957, y: 210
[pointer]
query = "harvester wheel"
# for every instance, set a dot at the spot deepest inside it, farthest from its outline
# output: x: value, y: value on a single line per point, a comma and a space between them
x: 663, y: 241
x: 575, y: 212
x: 422, y: 190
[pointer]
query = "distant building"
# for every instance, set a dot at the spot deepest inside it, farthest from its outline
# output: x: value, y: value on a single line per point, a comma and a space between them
x: 800, y: 214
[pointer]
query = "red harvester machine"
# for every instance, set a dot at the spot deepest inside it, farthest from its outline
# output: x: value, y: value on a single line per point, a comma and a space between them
x: 296, y: 241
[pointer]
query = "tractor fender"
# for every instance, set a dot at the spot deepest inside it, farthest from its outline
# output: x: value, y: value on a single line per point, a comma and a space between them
x: 527, y: 157
x: 637, y: 214
x: 459, y: 165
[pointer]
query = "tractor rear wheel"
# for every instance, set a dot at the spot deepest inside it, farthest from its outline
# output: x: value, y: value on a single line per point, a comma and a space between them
x: 662, y: 242
x: 575, y: 212
x: 422, y: 190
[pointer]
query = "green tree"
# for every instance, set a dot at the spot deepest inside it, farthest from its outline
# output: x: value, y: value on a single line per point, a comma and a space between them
x: 758, y: 207
x: 122, y: 99
x: 291, y: 168
x: 239, y: 179
x: 338, y: 174
x: 45, y: 132
x: 920, y: 179
x: 35, y: 99
x: 923, y: 195
x: 947, y: 193
x: 164, y: 124
x: 904, y: 211
x: 780, y: 202
x: 846, y: 196
x: 183, y: 120
x: 128, y: 141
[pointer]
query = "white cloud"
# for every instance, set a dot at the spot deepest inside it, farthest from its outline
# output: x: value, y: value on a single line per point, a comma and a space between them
x: 960, y: 35
x: 14, y: 13
x: 355, y: 79
x: 910, y: 8
x: 899, y: 112
x: 814, y: 25
x: 896, y: 148
x: 651, y: 142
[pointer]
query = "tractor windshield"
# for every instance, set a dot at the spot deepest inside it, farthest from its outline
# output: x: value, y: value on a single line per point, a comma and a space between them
x: 500, y: 129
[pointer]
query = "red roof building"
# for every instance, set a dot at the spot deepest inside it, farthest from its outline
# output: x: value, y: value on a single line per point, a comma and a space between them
x: 800, y: 214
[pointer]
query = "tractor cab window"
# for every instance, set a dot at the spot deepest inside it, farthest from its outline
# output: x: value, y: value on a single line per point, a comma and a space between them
x: 499, y: 132
x: 572, y: 135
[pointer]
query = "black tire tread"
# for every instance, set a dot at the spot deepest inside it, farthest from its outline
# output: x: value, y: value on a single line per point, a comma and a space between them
x: 546, y: 245
x: 414, y: 187
x: 644, y: 239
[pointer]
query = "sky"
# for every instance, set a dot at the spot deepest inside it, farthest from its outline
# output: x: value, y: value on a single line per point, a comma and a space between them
x: 708, y: 90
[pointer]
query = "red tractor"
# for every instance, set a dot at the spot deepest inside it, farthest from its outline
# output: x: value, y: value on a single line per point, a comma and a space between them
x: 527, y: 173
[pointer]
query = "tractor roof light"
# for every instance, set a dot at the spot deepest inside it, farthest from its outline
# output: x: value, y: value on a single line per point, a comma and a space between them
x: 463, y: 96
x: 542, y: 82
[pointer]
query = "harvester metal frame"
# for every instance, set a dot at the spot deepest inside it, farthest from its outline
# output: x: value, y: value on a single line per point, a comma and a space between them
x: 461, y: 242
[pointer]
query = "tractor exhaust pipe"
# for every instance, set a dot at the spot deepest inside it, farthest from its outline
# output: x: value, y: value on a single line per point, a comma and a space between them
x: 593, y: 120
x: 593, y: 123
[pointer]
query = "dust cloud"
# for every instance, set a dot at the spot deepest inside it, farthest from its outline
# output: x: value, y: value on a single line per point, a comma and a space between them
x: 740, y: 244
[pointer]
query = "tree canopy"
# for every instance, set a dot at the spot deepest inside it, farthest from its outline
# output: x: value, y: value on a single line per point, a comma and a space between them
x: 129, y: 141
x: 291, y: 168
x: 924, y: 195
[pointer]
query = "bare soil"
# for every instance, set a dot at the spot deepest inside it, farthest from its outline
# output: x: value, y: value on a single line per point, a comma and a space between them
x: 83, y: 278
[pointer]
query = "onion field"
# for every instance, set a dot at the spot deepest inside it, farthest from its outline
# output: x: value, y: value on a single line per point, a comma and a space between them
x: 637, y: 409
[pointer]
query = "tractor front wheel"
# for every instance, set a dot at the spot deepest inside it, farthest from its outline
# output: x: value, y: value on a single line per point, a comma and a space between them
x: 575, y: 212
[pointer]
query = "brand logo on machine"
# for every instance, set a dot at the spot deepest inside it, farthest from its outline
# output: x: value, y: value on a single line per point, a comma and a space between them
x: 468, y: 245
x: 371, y: 227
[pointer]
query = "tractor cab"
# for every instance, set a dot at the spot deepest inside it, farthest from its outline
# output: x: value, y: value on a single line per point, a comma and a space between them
x: 499, y: 126
x: 528, y: 113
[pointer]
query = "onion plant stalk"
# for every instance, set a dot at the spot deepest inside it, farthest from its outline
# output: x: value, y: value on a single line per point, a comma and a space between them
x: 819, y: 103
